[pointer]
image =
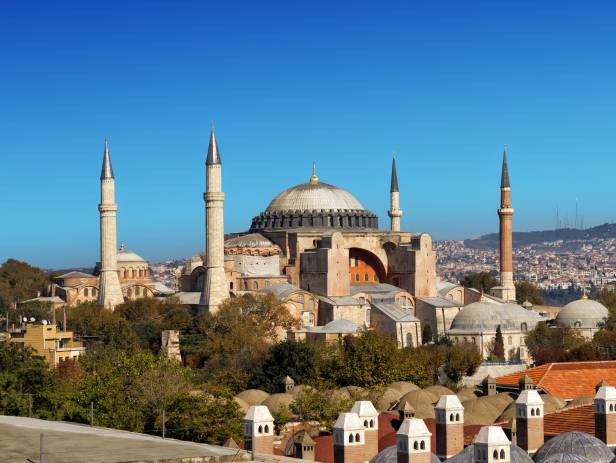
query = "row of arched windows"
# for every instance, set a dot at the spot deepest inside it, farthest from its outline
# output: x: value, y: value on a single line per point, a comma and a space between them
x: 135, y: 273
x: 533, y: 411
x: 455, y: 417
x: 139, y: 291
x: 87, y: 292
x: 482, y: 454
x: 263, y: 429
x: 369, y: 424
x: 354, y: 438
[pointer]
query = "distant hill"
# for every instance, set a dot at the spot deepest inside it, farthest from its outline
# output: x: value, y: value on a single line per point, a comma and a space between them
x: 607, y: 230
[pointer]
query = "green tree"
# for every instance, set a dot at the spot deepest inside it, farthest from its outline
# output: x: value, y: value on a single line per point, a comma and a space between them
x: 20, y: 281
x: 426, y: 334
x: 461, y: 360
x: 526, y: 291
x: 555, y: 344
x: 607, y: 297
x: 482, y: 281
x: 287, y: 358
x: 498, y: 347
x: 319, y: 404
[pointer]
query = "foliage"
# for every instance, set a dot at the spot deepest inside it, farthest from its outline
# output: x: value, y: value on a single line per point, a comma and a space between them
x: 426, y: 334
x: 20, y: 281
x: 526, y: 291
x: 281, y: 417
x: 35, y: 309
x: 607, y: 297
x: 498, y: 348
x: 295, y: 359
x: 239, y: 335
x: 319, y: 404
x: 461, y: 360
x: 554, y: 344
x: 482, y: 281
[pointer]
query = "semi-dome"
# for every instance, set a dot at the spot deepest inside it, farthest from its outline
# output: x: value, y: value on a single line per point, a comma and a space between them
x: 583, y: 313
x: 487, y: 316
x: 574, y: 443
x: 314, y: 204
x: 390, y: 455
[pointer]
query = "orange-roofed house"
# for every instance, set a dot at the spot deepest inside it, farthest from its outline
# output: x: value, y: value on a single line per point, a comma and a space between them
x: 567, y: 380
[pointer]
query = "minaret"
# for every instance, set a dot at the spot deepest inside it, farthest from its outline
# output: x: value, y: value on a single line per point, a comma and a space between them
x: 109, y: 291
x: 215, y: 289
x: 506, y: 289
x: 394, y: 197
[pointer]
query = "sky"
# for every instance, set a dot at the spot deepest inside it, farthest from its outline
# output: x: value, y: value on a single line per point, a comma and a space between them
x: 344, y: 84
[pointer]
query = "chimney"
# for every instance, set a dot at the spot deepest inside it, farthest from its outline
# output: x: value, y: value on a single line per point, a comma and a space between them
x: 349, y: 439
x: 413, y: 442
x: 304, y: 446
x: 605, y: 415
x: 449, y: 414
x: 489, y: 385
x: 288, y: 383
x: 405, y: 410
x: 259, y: 430
x: 529, y: 421
x: 492, y: 446
x: 525, y: 383
x: 600, y: 385
x: 370, y: 418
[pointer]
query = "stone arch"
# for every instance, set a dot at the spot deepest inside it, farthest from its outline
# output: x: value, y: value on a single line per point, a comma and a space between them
x: 197, y: 278
x: 367, y: 265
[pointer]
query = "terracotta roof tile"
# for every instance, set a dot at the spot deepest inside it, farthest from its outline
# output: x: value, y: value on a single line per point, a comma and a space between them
x: 567, y: 380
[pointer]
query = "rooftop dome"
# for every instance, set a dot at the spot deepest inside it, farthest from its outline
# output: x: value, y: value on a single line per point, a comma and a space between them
x: 403, y: 387
x: 467, y: 455
x: 253, y: 396
x: 278, y: 402
x: 583, y: 313
x: 487, y: 316
x: 574, y: 443
x: 128, y: 256
x: 314, y: 204
x: 390, y: 455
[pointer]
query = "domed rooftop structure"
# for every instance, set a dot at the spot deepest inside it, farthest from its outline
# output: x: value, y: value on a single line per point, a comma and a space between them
x: 485, y: 410
x: 388, y: 399
x: 583, y: 313
x: 253, y: 396
x: 421, y: 401
x: 486, y: 316
x: 278, y: 402
x: 314, y: 204
x: 574, y: 443
x: 403, y: 386
x: 437, y: 391
x: 390, y: 455
x: 467, y: 455
x: 128, y: 256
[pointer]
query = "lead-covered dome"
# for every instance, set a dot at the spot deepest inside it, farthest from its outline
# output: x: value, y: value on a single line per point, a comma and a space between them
x: 390, y: 455
x: 314, y: 204
x: 487, y: 316
x: 583, y: 313
x: 574, y: 443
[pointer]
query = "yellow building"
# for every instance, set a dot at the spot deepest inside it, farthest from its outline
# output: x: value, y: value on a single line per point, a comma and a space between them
x: 56, y: 346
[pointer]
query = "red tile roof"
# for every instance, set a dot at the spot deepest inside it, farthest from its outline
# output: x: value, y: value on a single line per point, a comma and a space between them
x: 581, y: 418
x: 567, y: 380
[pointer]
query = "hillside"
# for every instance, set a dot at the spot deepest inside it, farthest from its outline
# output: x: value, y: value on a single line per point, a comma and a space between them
x: 607, y: 230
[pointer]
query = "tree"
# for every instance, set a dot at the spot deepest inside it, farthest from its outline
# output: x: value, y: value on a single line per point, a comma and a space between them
x: 607, y: 297
x: 288, y: 358
x: 426, y: 334
x: 482, y: 281
x: 526, y: 291
x: 461, y: 360
x: 498, y: 348
x: 555, y: 344
x: 240, y: 333
x: 20, y: 281
x: 319, y: 404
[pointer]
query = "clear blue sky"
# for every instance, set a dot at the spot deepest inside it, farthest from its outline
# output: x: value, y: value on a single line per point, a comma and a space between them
x: 445, y: 84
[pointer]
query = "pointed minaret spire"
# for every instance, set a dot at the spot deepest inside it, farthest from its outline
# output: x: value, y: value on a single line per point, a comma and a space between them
x: 394, y: 199
x: 394, y: 175
x: 107, y: 170
x: 314, y: 179
x: 505, y: 172
x: 213, y: 155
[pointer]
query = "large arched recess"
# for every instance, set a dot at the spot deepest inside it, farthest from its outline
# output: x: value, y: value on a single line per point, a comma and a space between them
x: 365, y: 267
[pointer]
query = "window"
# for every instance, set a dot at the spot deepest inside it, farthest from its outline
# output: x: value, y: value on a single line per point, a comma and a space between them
x: 266, y: 428
x: 422, y: 446
x: 532, y: 412
x: 524, y: 327
x: 495, y: 454
x: 255, y: 285
x: 365, y: 423
x: 86, y: 292
x: 372, y: 423
x: 577, y: 324
x: 502, y: 454
x: 357, y: 277
x: 416, y: 445
x: 357, y: 438
x: 260, y: 429
x: 457, y: 417
x: 129, y: 292
x: 350, y: 438
x: 231, y: 285
x: 451, y: 418
x: 366, y: 277
x: 300, y: 298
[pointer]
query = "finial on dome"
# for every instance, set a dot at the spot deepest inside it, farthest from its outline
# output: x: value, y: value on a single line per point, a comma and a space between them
x: 584, y: 295
x: 314, y: 179
x: 483, y: 297
x: 122, y: 246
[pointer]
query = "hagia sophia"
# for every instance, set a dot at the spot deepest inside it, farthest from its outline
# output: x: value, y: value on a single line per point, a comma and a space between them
x: 325, y: 256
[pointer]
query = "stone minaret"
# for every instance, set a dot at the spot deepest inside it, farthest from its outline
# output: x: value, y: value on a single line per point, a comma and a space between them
x: 394, y: 211
x: 605, y: 415
x: 370, y: 418
x: 109, y: 291
x: 529, y: 420
x: 449, y: 414
x: 506, y: 289
x: 413, y: 442
x: 215, y: 289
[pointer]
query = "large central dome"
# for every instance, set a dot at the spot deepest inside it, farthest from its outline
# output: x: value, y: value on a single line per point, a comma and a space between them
x: 314, y: 205
x: 314, y: 196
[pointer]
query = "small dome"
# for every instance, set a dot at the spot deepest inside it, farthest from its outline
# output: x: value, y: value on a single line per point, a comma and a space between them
x: 277, y: 402
x: 468, y: 393
x: 567, y: 458
x: 486, y: 409
x: 297, y: 390
x: 583, y: 313
x: 242, y: 404
x: 129, y: 256
x: 253, y: 396
x: 403, y: 386
x: 574, y: 443
x: 251, y: 240
x: 467, y: 455
x: 390, y: 455
x: 437, y: 391
x: 422, y: 401
x: 388, y: 399
x: 314, y: 196
x: 486, y: 316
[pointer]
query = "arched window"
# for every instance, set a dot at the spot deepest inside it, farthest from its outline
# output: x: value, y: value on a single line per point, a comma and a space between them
x: 451, y: 417
x: 457, y: 417
x: 611, y: 407
x: 372, y: 423
x: 231, y: 285
x: 350, y: 438
x: 524, y: 326
x: 255, y: 285
x: 538, y: 412
x: 357, y: 438
x: 502, y: 454
x: 137, y: 291
x: 416, y: 445
x: 422, y: 446
x: 532, y: 412
x: 577, y: 324
x: 357, y: 277
x: 129, y: 292
x: 260, y: 429
x: 366, y: 277
x: 365, y: 423
x: 266, y: 428
x: 495, y: 454
x: 86, y: 292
